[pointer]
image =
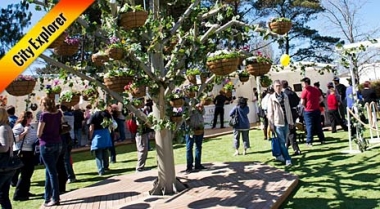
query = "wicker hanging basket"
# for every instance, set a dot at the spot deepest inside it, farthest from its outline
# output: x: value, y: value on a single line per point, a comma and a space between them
x: 206, y: 102
x: 117, y: 84
x: 99, y: 60
x: 177, y: 103
x: 190, y: 94
x: 59, y: 41
x: 115, y: 53
x: 21, y: 88
x: 139, y: 91
x: 228, y: 93
x: 89, y: 96
x: 192, y: 79
x: 66, y: 49
x: 223, y: 66
x: 243, y: 78
x: 74, y: 100
x: 176, y: 119
x: 280, y: 27
x: 258, y: 69
x: 133, y: 19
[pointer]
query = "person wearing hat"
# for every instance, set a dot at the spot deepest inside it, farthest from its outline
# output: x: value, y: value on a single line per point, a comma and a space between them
x: 311, y: 98
x: 341, y: 90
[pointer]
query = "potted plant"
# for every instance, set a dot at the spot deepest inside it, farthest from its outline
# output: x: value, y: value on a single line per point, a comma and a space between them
x: 52, y: 90
x: 223, y: 62
x: 280, y: 25
x: 99, y: 58
x: 190, y: 90
x: 265, y: 81
x: 177, y: 115
x: 89, y: 93
x: 137, y: 88
x: 69, y: 98
x: 22, y: 85
x: 191, y: 75
x: 207, y: 100
x: 228, y: 87
x: 116, y: 79
x: 138, y: 103
x: 258, y: 65
x: 68, y: 48
x: 132, y: 16
x: 243, y: 76
x: 176, y: 98
x: 59, y: 41
x: 116, y: 49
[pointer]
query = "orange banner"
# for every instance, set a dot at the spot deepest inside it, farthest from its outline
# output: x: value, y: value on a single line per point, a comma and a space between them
x: 35, y: 42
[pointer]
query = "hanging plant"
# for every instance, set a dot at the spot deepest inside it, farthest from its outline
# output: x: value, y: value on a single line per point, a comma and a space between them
x: 69, y: 98
x: 258, y: 65
x: 176, y: 98
x: 116, y: 49
x: 244, y: 76
x: 223, y: 62
x: 265, y: 81
x: 22, y: 85
x: 280, y: 25
x: 191, y: 75
x: 132, y: 17
x: 89, y: 94
x: 99, y: 58
x: 69, y: 47
x: 116, y: 79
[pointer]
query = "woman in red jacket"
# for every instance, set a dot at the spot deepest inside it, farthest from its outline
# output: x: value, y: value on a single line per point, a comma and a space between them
x: 333, y: 105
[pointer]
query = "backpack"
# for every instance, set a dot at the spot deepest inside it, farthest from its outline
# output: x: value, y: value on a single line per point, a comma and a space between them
x: 132, y: 125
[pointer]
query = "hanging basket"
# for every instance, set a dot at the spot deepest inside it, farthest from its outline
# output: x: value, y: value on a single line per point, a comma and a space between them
x: 177, y: 103
x: 228, y: 93
x: 59, y: 41
x: 66, y: 49
x: 99, y: 60
x: 117, y: 84
x: 139, y: 91
x: 204, y: 77
x: 280, y: 27
x: 192, y: 79
x: 223, y: 66
x: 89, y: 96
x: 169, y: 49
x: 206, y: 102
x: 243, y: 78
x: 115, y: 53
x: 199, y: 132
x: 190, y: 94
x: 74, y: 100
x: 21, y: 88
x: 133, y: 19
x: 176, y: 119
x: 258, y: 69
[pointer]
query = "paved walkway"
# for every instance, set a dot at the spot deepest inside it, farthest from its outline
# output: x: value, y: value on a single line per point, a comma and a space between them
x: 222, y: 185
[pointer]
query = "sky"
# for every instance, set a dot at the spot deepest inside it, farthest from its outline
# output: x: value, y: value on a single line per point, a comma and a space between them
x: 368, y: 16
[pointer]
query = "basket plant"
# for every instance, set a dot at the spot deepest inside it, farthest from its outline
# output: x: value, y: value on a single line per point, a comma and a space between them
x: 59, y: 41
x: 190, y: 90
x: 280, y: 25
x: 116, y: 49
x: 131, y: 17
x: 243, y: 76
x: 52, y: 90
x: 137, y: 88
x: 258, y: 65
x: 228, y: 87
x: 22, y: 85
x: 99, y: 58
x: 223, y: 62
x: 176, y: 98
x: 191, y: 75
x: 89, y: 94
x: 177, y: 115
x: 69, y: 98
x: 207, y: 100
x: 265, y: 81
x: 138, y: 103
x: 69, y: 47
x: 116, y: 79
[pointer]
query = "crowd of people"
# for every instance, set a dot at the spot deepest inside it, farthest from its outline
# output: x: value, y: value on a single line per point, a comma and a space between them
x: 100, y: 126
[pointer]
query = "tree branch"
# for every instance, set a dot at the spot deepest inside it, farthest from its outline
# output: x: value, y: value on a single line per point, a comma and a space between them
x: 115, y: 95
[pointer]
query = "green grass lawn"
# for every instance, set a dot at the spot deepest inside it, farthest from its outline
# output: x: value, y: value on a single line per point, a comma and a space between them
x: 328, y: 177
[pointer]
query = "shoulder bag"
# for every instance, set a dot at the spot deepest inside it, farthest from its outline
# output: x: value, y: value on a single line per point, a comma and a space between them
x: 234, y: 118
x: 8, y: 162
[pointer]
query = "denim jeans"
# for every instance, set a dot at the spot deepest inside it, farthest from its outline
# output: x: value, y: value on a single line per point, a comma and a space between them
x: 78, y: 137
x: 313, y: 125
x: 245, y: 136
x: 198, y: 139
x: 282, y: 132
x: 5, y: 183
x: 50, y: 154
x: 67, y: 161
x: 121, y: 127
x: 102, y: 161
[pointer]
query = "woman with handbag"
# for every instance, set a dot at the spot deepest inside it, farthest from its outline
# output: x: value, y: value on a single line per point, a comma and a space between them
x: 25, y: 136
x: 242, y: 127
x: 280, y: 118
x: 6, y: 142
x: 49, y: 135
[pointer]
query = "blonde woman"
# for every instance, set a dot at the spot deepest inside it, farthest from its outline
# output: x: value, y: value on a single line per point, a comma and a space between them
x: 280, y: 117
x: 49, y: 135
x: 6, y: 143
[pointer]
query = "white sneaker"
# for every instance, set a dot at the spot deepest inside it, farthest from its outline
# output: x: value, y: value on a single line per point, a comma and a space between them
x: 280, y: 158
x: 288, y: 163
